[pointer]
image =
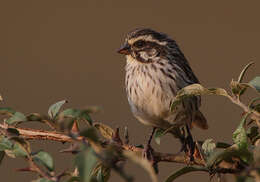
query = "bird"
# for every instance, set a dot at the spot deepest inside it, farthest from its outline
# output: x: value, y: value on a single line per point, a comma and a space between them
x: 156, y: 69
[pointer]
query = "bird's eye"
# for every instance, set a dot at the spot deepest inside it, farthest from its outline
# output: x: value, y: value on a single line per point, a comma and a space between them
x: 139, y: 43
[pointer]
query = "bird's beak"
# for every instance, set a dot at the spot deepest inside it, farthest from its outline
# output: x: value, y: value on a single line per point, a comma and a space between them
x: 124, y: 49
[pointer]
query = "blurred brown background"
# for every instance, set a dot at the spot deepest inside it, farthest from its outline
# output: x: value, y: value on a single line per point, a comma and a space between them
x: 54, y: 50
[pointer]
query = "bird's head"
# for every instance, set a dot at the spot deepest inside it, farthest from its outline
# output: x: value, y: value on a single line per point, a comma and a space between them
x: 146, y: 45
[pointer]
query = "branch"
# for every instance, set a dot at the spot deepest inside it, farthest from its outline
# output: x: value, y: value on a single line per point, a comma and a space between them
x: 32, y: 134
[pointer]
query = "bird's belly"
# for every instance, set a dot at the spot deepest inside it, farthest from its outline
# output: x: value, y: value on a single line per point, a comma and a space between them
x: 150, y: 104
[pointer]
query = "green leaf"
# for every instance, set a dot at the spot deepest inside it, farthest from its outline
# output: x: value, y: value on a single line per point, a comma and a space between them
x: 55, y: 108
x: 85, y: 162
x: 90, y: 133
x: 42, y: 180
x: 255, y: 83
x: 17, y: 150
x: 208, y: 147
x: 241, y: 76
x: 228, y: 154
x: 77, y: 114
x: 17, y: 117
x: 34, y: 117
x: 183, y: 171
x: 5, y: 144
x: 2, y: 154
x: 240, y: 136
x: 45, y: 159
x: 73, y: 179
x: 7, y: 110
x: 244, y: 179
x: 195, y: 90
x: 158, y: 134
x: 105, y: 130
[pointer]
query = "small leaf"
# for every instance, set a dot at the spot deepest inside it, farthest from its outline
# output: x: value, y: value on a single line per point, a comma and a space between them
x: 105, y: 130
x: 183, y: 171
x: 255, y: 83
x: 77, y: 114
x: 143, y: 163
x: 34, y: 117
x: 42, y: 180
x: 228, y: 154
x: 73, y: 179
x: 240, y: 136
x: 158, y: 134
x: 241, y: 76
x: 7, y: 110
x: 85, y: 162
x: 55, y: 108
x: 90, y: 133
x: 44, y: 159
x: 208, y: 147
x: 5, y: 144
x: 17, y: 117
x: 17, y: 150
x: 195, y: 90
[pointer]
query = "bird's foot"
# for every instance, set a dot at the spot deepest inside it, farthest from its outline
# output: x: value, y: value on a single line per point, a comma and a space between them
x: 148, y: 153
x: 190, y: 148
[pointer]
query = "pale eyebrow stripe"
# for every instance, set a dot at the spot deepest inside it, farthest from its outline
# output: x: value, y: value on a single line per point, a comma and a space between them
x: 146, y: 38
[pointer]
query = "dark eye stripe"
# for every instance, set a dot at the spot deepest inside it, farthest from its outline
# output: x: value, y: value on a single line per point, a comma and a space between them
x: 139, y: 43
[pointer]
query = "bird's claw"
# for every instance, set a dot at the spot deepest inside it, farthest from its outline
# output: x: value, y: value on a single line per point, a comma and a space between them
x: 148, y: 153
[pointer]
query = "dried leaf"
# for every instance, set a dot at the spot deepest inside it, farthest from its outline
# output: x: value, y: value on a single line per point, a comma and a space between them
x: 241, y: 76
x: 208, y: 147
x: 105, y: 130
x: 143, y: 163
x: 101, y: 172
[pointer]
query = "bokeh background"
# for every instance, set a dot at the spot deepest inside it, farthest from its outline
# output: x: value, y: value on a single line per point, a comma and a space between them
x: 55, y: 50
